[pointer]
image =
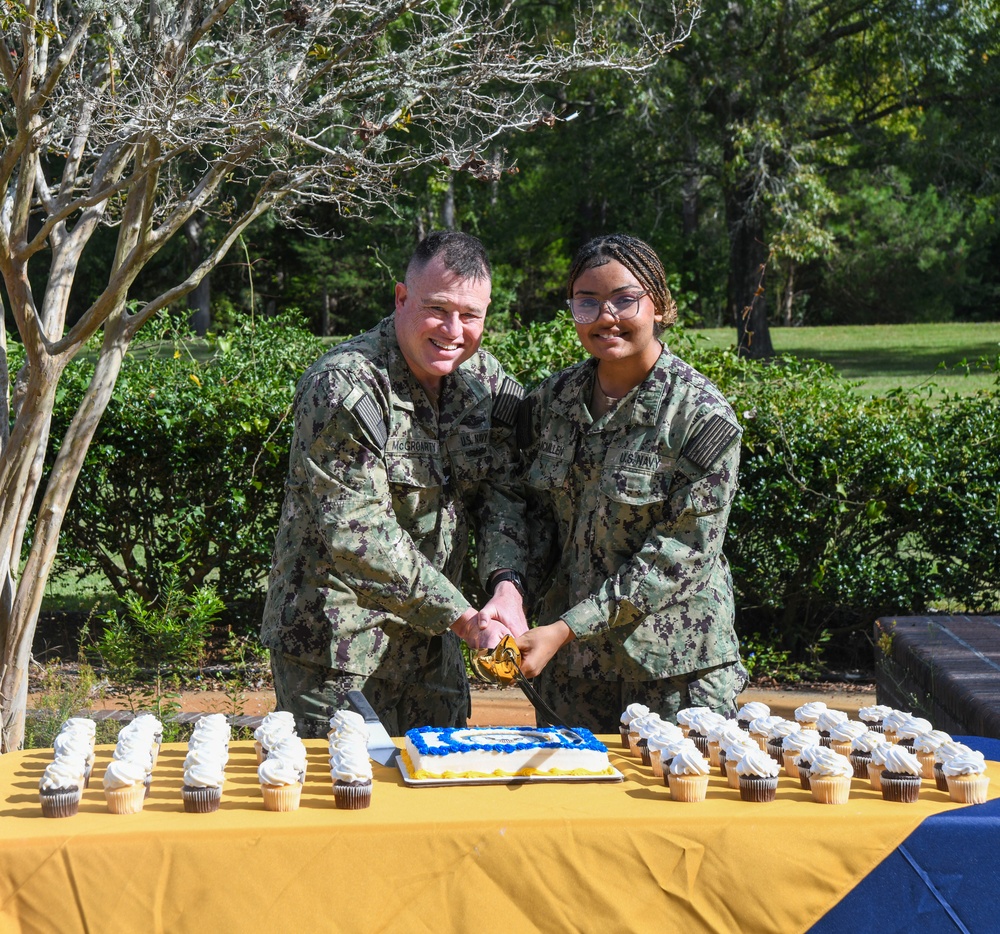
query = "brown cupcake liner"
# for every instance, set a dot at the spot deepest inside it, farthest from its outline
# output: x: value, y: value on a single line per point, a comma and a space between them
x: 776, y: 751
x: 201, y: 800
x: 60, y: 803
x: 860, y: 763
x: 352, y: 796
x: 804, y: 774
x: 903, y: 788
x: 701, y: 741
x: 623, y: 732
x: 940, y: 779
x: 759, y: 789
x: 643, y: 751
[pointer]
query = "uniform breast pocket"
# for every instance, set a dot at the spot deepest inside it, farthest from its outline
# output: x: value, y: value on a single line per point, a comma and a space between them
x: 632, y: 490
x: 420, y: 471
x: 547, y: 473
x: 472, y: 457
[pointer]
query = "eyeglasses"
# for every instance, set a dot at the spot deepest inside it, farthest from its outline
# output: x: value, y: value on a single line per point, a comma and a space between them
x: 588, y: 310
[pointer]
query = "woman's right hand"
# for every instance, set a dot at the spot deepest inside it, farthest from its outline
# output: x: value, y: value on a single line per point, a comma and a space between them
x: 539, y: 645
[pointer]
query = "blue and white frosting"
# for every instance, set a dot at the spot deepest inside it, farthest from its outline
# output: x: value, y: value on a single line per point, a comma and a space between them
x: 521, y: 738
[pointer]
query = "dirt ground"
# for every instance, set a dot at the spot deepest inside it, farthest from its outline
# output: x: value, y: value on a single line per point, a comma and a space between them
x: 509, y: 707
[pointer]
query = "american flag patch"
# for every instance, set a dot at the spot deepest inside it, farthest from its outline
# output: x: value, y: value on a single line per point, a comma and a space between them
x: 366, y: 412
x: 710, y: 441
x: 507, y: 401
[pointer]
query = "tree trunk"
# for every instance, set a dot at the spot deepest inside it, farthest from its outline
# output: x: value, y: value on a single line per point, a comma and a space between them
x: 748, y: 258
x: 200, y: 299
x: 19, y: 619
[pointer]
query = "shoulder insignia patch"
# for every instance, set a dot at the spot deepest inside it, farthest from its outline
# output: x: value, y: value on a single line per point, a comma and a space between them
x: 507, y: 401
x: 366, y: 412
x: 705, y: 448
x: 524, y: 434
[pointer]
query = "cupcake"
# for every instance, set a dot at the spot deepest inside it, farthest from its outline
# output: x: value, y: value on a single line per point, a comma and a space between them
x: 873, y: 716
x: 203, y: 780
x: 630, y: 712
x: 877, y: 763
x: 660, y: 740
x: 861, y: 751
x: 291, y: 749
x: 900, y: 775
x: 758, y: 776
x: 803, y: 762
x: 352, y: 779
x: 727, y: 729
x: 910, y: 729
x: 700, y: 725
x: 76, y: 743
x: 279, y: 784
x: 792, y: 745
x: 776, y: 738
x: 152, y: 728
x: 670, y: 749
x: 638, y: 733
x: 760, y: 728
x: 61, y: 786
x: 945, y: 751
x: 685, y: 716
x: 966, y: 775
x: 843, y: 733
x: 730, y: 754
x: 751, y: 711
x: 830, y: 776
x: 125, y: 786
x: 826, y: 721
x: 273, y: 728
x: 924, y: 747
x: 807, y: 715
x: 688, y: 776
x: 891, y: 721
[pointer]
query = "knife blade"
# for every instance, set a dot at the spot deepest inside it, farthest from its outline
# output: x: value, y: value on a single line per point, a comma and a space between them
x: 381, y: 748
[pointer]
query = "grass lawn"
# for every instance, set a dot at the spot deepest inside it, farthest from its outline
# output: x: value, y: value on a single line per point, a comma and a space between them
x: 885, y: 357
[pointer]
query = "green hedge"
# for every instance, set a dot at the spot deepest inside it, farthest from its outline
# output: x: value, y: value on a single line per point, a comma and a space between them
x: 849, y: 508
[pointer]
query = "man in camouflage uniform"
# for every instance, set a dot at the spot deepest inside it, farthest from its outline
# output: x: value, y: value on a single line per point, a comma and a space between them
x: 627, y: 511
x: 402, y: 438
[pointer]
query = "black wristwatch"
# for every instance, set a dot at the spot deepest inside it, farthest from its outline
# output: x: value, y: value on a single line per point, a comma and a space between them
x: 511, y: 576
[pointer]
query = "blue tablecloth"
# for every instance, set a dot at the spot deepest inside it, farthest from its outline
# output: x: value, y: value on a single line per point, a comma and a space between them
x: 944, y: 877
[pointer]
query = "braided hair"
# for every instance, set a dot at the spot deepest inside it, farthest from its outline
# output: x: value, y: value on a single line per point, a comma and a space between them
x: 639, y: 258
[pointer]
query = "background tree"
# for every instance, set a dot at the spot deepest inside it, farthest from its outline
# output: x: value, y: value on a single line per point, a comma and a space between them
x: 143, y: 115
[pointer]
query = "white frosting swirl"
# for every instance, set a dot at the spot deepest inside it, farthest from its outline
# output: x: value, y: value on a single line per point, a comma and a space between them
x: 929, y: 742
x: 755, y: 763
x: 645, y: 724
x: 352, y: 766
x: 85, y: 724
x: 751, y: 710
x: 761, y: 726
x: 810, y: 711
x: 293, y: 750
x: 948, y: 749
x: 829, y: 718
x: 735, y: 745
x: 867, y: 742
x: 685, y: 715
x: 894, y: 718
x: 206, y: 773
x: 897, y: 759
x: 783, y: 729
x: 273, y: 771
x: 876, y: 713
x: 136, y: 748
x: 830, y: 764
x: 705, y: 721
x: 73, y: 743
x: 62, y: 773
x: 728, y: 729
x: 913, y: 727
x: 965, y: 763
x: 633, y: 711
x: 795, y: 742
x: 808, y: 753
x: 121, y: 773
x: 689, y: 762
x: 667, y: 730
x: 847, y: 730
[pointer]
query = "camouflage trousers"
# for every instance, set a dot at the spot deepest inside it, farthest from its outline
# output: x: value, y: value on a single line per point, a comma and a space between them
x: 313, y: 694
x: 598, y: 705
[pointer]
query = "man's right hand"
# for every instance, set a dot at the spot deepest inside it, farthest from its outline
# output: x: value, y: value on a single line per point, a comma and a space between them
x: 479, y: 632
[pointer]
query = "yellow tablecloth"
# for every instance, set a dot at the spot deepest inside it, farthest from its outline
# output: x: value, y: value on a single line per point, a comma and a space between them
x: 553, y: 856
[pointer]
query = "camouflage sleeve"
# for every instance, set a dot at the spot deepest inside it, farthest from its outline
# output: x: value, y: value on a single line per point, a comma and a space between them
x: 681, y: 554
x: 501, y: 540
x: 347, y: 491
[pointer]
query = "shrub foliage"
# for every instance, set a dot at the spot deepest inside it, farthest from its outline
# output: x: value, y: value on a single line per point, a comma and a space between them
x: 849, y: 507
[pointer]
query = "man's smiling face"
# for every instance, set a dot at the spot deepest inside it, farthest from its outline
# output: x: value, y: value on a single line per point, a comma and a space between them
x: 439, y: 321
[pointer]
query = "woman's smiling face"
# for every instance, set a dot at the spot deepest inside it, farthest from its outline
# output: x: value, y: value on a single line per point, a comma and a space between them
x: 610, y: 338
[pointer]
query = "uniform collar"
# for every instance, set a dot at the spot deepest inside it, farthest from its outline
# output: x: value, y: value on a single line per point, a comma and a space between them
x: 640, y: 409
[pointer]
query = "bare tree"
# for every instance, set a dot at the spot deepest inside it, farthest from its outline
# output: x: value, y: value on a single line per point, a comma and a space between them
x: 146, y: 114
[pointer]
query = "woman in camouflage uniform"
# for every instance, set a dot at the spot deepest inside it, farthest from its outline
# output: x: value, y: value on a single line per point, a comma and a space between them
x: 630, y: 466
